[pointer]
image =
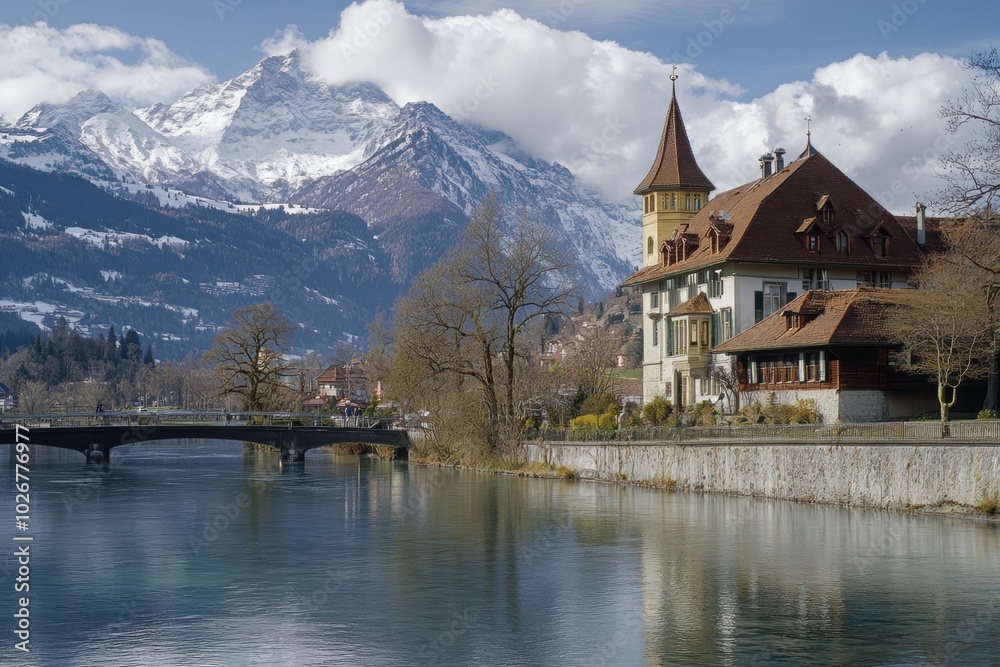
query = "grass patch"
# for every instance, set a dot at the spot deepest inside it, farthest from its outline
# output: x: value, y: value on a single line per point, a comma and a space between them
x: 989, y: 505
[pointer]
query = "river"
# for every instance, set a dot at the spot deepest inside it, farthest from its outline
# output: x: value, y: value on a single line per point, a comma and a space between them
x: 198, y: 554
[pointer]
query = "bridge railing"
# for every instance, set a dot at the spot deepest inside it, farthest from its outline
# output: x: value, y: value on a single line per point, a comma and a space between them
x: 190, y: 418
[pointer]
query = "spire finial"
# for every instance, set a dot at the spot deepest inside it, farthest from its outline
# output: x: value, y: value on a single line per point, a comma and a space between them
x: 809, y: 120
x: 673, y: 82
x: 673, y: 75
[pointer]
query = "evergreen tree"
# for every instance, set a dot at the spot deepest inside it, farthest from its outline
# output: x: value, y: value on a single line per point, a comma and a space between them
x: 111, y: 346
x: 148, y: 359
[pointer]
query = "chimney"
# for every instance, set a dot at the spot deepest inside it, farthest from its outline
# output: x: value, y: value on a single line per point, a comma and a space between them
x: 779, y: 156
x: 921, y: 225
x: 766, y: 161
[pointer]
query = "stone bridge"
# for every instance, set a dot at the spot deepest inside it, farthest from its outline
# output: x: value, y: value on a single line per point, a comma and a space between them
x: 95, y: 436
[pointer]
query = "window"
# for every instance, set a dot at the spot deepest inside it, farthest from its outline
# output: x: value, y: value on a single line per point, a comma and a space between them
x: 687, y: 202
x: 673, y: 202
x: 680, y: 337
x: 704, y: 337
x: 879, y: 245
x: 656, y: 333
x: 843, y: 243
x: 715, y: 286
x: 813, y: 243
x: 692, y: 279
x: 880, y: 279
x: 828, y: 213
x: 666, y: 201
x: 649, y: 246
x: 812, y: 366
x: 654, y: 300
x: 726, y: 328
x: 697, y: 202
x: 774, y: 297
x: 815, y: 279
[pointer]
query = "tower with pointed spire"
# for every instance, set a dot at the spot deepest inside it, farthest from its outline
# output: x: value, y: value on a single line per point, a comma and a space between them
x: 675, y: 187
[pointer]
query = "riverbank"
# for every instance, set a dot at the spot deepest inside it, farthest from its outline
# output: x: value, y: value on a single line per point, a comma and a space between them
x: 953, y: 479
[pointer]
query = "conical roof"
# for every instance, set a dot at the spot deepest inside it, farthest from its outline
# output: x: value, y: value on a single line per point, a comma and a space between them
x: 674, y: 166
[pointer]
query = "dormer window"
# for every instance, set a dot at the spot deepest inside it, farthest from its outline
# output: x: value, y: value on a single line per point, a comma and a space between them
x: 880, y: 243
x: 714, y: 234
x: 842, y: 243
x: 812, y: 242
x: 825, y: 208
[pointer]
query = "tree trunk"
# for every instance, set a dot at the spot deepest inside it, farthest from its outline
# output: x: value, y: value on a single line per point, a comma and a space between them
x: 993, y: 386
x: 945, y: 403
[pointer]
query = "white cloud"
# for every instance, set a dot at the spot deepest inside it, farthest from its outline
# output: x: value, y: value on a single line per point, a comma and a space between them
x: 45, y: 64
x: 598, y: 107
x: 283, y: 41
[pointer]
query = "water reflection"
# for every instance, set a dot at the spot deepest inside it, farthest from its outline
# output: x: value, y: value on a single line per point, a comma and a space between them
x: 206, y: 554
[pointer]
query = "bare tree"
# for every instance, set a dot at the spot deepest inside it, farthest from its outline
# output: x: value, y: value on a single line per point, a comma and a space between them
x: 728, y: 378
x: 247, y: 356
x: 465, y: 318
x: 973, y: 171
x: 33, y: 397
x: 974, y: 249
x: 944, y: 329
x: 588, y: 365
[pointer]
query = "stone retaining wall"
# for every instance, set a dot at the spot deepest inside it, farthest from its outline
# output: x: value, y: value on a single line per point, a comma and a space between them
x: 880, y: 476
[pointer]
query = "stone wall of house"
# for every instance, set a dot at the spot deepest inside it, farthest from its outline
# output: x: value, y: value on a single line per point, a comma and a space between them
x: 827, y: 401
x: 853, y: 405
x: 879, y: 476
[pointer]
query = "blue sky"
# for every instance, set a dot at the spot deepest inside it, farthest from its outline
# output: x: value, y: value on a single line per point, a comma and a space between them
x: 579, y: 82
x: 763, y: 43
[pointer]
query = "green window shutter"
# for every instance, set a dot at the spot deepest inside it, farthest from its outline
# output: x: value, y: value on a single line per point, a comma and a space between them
x: 716, y: 325
x: 670, y: 336
x: 758, y: 306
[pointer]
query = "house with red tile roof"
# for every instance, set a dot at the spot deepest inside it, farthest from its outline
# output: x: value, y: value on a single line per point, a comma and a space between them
x: 832, y: 347
x: 713, y: 268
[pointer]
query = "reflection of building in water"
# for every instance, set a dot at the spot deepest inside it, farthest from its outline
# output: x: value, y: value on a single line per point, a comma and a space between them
x: 716, y: 568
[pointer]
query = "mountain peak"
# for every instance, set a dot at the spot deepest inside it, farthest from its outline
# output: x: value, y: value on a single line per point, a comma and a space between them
x: 70, y: 115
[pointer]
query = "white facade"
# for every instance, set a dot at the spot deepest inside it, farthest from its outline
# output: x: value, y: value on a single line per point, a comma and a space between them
x: 732, y: 289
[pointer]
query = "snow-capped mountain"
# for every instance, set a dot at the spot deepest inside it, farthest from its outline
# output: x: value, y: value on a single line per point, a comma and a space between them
x: 429, y: 172
x: 278, y: 133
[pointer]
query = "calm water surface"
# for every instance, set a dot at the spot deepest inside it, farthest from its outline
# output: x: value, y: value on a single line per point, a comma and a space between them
x: 199, y: 554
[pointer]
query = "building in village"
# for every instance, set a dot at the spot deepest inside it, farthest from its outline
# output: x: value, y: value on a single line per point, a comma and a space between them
x: 832, y: 347
x: 349, y: 381
x: 8, y: 401
x: 715, y: 266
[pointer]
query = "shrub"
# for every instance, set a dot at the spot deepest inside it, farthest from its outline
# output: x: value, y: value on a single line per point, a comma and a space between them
x: 607, y: 420
x: 583, y: 422
x: 704, y: 414
x: 657, y: 411
x: 988, y: 413
x: 989, y: 505
x: 803, y: 411
x: 600, y: 404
